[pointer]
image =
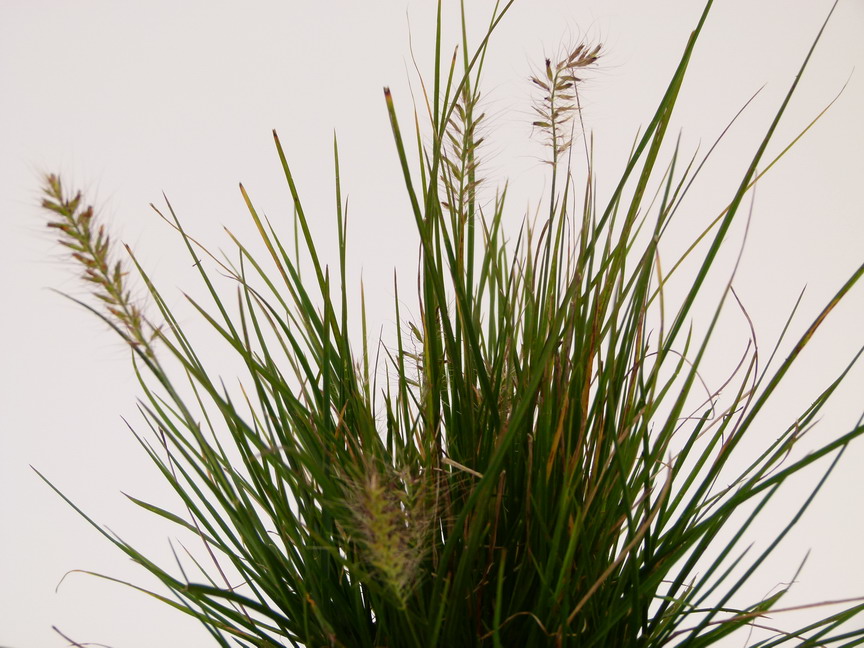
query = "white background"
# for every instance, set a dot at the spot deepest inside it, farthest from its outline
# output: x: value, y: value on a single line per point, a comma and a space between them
x: 128, y: 100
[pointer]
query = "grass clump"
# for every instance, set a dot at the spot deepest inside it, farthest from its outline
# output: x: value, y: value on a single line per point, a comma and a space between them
x: 539, y: 467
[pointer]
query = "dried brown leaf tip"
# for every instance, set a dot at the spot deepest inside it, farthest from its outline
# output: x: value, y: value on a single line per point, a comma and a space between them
x: 91, y: 247
x: 559, y: 102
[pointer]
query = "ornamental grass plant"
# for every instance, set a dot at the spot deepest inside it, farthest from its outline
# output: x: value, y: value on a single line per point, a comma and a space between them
x: 533, y: 460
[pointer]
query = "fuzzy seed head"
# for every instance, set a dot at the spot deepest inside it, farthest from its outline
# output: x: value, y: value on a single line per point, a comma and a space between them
x: 559, y: 102
x: 392, y: 525
x: 91, y: 249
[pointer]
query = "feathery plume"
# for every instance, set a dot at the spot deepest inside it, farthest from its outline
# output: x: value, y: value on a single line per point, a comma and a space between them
x: 91, y: 248
x: 560, y: 100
